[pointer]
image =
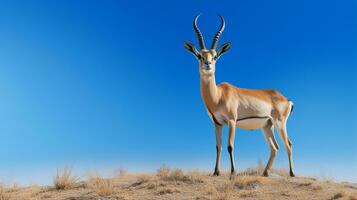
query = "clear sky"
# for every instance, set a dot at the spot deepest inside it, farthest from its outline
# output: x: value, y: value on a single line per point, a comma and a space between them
x: 106, y: 84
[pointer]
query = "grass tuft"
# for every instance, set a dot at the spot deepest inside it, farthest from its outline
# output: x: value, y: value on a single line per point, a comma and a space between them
x: 64, y: 179
x: 254, y: 171
x: 224, y: 191
x: 166, y: 190
x: 144, y: 178
x: 166, y: 174
x: 344, y: 195
x: 163, y: 171
x: 103, y: 187
x: 248, y: 182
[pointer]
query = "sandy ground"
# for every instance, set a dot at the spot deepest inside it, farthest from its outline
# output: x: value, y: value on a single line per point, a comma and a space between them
x: 175, y: 184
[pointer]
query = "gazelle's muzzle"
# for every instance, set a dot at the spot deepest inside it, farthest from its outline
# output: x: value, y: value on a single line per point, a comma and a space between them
x: 207, y: 65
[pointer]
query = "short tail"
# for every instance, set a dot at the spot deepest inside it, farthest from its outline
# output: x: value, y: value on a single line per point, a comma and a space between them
x: 292, y: 107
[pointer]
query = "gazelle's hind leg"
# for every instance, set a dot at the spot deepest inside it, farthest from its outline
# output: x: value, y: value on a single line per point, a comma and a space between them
x: 281, y: 128
x: 268, y: 131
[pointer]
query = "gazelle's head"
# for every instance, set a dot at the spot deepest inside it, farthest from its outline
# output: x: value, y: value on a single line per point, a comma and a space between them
x: 207, y: 57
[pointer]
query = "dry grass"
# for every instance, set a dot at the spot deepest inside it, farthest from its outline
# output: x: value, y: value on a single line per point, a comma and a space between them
x: 167, y: 174
x: 167, y: 190
x: 64, y: 179
x: 311, y: 185
x: 248, y: 182
x: 344, y: 195
x: 223, y: 192
x: 254, y: 171
x: 15, y: 187
x: 4, y: 194
x: 259, y: 169
x: 280, y: 172
x: 144, y: 178
x: 169, y: 183
x: 163, y: 171
x: 196, y: 176
x: 240, y: 186
x: 103, y: 187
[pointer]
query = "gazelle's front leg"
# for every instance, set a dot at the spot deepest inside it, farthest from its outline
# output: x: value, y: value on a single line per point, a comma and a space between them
x: 218, y: 132
x: 231, y: 135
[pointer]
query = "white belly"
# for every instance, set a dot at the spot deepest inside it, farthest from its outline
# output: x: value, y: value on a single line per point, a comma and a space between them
x: 252, y: 124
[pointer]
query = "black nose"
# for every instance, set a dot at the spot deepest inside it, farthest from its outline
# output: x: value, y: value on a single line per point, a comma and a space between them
x: 207, y: 66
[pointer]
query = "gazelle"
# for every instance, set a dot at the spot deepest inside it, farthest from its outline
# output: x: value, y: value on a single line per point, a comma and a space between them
x: 238, y: 107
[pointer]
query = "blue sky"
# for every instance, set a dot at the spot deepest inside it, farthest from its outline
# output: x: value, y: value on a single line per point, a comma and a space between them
x: 106, y: 84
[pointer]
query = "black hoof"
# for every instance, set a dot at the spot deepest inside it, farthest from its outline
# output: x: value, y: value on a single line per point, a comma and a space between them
x: 292, y: 174
x: 216, y: 173
x: 233, y: 174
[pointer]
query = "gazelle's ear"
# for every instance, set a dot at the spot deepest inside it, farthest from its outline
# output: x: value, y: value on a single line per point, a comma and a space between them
x: 191, y: 48
x: 223, y: 49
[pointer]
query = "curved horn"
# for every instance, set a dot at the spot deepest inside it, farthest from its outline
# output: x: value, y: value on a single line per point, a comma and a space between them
x: 198, y: 32
x: 218, y: 34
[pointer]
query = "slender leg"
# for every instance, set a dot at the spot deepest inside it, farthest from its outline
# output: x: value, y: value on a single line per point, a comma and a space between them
x: 268, y: 132
x: 281, y: 127
x: 231, y: 135
x: 218, y: 132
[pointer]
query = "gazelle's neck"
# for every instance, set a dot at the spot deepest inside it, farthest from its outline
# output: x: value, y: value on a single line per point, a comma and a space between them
x: 209, y: 91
